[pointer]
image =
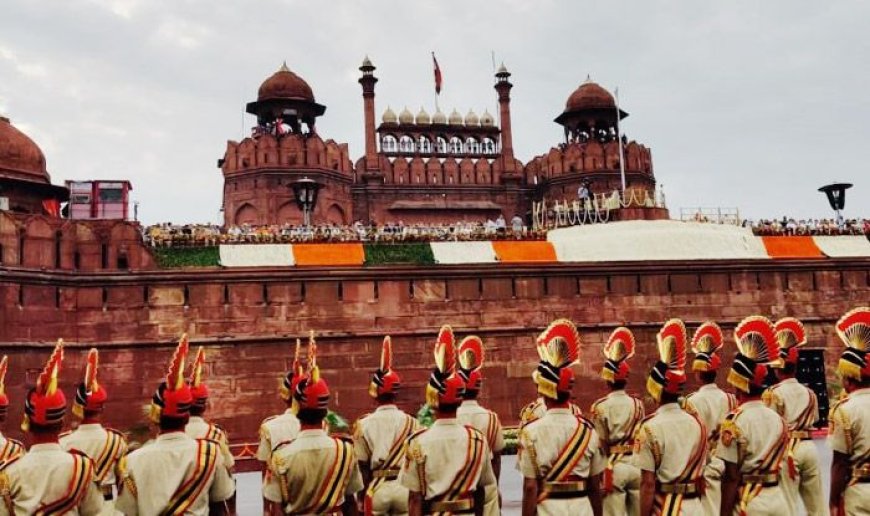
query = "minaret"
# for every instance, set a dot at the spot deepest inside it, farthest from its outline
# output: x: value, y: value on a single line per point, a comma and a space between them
x: 503, y: 87
x: 368, y: 81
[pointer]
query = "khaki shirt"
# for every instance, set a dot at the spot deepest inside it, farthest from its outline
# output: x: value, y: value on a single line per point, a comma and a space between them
x: 849, y: 431
x: 542, y: 440
x: 276, y: 430
x: 536, y: 410
x: 93, y: 440
x: 670, y: 441
x: 301, y: 468
x: 616, y: 417
x: 376, y: 433
x: 749, y: 434
x: 436, y: 456
x: 42, y: 476
x: 471, y: 413
x: 796, y: 403
x: 199, y: 428
x: 157, y: 470
x: 711, y: 404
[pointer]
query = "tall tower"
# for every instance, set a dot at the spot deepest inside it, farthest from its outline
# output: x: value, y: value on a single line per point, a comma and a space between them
x: 368, y: 81
x: 503, y: 87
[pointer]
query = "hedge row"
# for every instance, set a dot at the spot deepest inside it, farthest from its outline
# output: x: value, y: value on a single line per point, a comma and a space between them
x: 170, y: 257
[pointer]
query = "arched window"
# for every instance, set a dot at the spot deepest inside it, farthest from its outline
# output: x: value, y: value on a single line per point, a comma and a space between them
x: 456, y: 145
x: 472, y: 146
x: 406, y: 144
x: 424, y: 145
x: 388, y: 143
x: 487, y: 146
x: 441, y: 145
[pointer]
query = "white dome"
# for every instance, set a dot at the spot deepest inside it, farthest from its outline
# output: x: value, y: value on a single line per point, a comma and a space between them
x: 439, y: 117
x: 486, y: 119
x: 423, y: 117
x: 406, y: 117
x: 471, y: 118
x: 455, y: 118
x: 389, y: 116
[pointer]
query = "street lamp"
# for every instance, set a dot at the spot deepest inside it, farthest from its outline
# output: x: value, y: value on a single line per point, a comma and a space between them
x: 836, y: 193
x: 306, y: 190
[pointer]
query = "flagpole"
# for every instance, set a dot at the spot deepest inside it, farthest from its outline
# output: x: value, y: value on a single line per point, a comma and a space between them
x: 619, y: 139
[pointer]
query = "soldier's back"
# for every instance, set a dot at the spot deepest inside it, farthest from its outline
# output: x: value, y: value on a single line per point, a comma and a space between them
x: 199, y: 428
x: 850, y: 435
x: 313, y: 473
x: 711, y: 404
x: 104, y: 446
x: 48, y: 477
x: 483, y: 420
x: 277, y: 430
x: 152, y: 476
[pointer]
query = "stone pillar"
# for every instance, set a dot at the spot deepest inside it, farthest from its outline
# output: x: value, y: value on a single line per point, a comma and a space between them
x: 368, y: 81
x: 503, y: 87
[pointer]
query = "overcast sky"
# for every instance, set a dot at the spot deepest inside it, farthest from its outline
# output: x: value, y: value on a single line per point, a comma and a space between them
x: 745, y: 104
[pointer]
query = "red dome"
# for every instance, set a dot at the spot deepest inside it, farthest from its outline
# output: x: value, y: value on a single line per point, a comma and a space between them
x: 285, y: 84
x: 20, y: 157
x: 590, y: 96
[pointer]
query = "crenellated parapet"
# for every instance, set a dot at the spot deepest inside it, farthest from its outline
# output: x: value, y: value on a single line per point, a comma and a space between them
x: 288, y: 151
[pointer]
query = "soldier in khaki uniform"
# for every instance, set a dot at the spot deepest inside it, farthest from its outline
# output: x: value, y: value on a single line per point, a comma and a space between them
x: 672, y: 443
x: 175, y: 474
x: 617, y: 417
x: 315, y: 473
x: 472, y: 413
x: 104, y: 446
x: 447, y: 467
x: 48, y: 480
x: 753, y: 438
x: 379, y: 441
x: 849, y: 434
x: 276, y: 430
x: 561, y: 458
x: 536, y: 409
x: 797, y: 404
x: 711, y: 404
x: 8, y: 447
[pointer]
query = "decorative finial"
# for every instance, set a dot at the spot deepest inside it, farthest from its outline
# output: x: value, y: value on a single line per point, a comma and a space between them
x: 588, y: 79
x: 367, y: 62
x: 284, y: 67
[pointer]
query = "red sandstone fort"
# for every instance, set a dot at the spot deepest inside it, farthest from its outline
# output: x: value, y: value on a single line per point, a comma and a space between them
x: 94, y: 283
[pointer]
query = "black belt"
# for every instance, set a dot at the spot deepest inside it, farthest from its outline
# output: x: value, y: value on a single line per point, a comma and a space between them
x: 567, y: 495
x: 108, y: 495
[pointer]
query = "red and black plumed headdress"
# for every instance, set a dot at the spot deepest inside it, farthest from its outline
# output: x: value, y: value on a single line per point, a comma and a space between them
x: 173, y: 398
x: 756, y: 349
x: 385, y: 380
x: 198, y: 388
x: 4, y: 398
x: 618, y: 349
x: 854, y: 329
x: 445, y: 387
x: 706, y: 343
x: 311, y: 391
x: 91, y: 396
x: 471, y: 356
x: 45, y: 404
x: 669, y: 372
x: 558, y: 348
x: 790, y: 336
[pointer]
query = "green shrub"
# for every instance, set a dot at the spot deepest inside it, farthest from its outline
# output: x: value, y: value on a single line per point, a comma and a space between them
x: 392, y: 254
x: 171, y: 257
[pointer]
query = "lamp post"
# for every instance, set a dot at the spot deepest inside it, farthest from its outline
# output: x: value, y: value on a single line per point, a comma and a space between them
x: 836, y: 193
x: 305, y: 190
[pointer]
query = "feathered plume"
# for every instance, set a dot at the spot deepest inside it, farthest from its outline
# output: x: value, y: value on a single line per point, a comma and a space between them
x: 297, y: 359
x: 756, y: 339
x: 445, y: 352
x: 175, y: 375
x: 93, y: 360
x: 4, y: 365
x: 46, y: 384
x: 471, y: 353
x: 195, y: 378
x: 313, y: 369
x: 672, y: 344
x: 620, y: 345
x: 559, y: 344
x: 708, y: 338
x: 790, y: 333
x: 854, y: 329
x: 387, y: 354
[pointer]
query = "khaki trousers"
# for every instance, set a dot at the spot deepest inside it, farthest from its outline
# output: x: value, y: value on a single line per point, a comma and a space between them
x: 807, y: 487
x: 390, y: 498
x: 625, y: 497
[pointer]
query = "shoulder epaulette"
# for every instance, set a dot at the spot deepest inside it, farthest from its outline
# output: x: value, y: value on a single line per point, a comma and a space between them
x: 9, y: 461
x: 116, y: 432
x: 417, y: 433
x: 75, y: 451
x: 16, y: 442
x: 285, y: 442
x: 477, y: 434
x: 343, y: 438
x: 270, y: 418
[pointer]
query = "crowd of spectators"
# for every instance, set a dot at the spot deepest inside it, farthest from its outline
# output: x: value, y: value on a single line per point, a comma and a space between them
x: 807, y: 227
x: 168, y: 234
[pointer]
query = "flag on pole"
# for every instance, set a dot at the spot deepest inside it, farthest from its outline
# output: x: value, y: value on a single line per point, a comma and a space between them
x: 437, y: 75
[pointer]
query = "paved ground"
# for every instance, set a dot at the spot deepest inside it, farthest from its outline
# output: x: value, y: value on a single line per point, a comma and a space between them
x: 249, y: 486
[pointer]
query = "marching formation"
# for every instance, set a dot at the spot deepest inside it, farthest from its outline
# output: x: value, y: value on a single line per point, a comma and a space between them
x: 704, y: 452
